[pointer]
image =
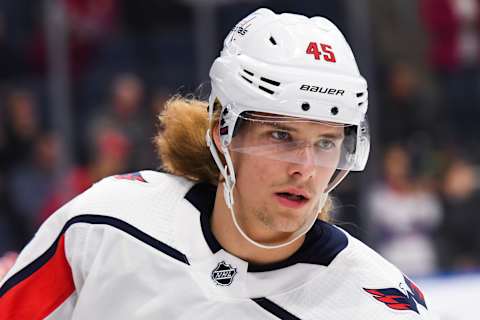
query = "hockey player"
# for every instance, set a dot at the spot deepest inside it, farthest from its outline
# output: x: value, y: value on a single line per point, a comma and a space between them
x: 238, y: 227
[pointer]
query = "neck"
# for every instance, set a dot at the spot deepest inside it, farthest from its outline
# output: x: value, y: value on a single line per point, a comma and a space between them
x: 232, y: 240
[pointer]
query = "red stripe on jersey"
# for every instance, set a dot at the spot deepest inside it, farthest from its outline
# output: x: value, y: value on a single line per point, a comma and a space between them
x: 41, y: 293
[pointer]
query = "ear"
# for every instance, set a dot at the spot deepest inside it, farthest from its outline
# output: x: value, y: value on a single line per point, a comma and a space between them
x: 216, y: 137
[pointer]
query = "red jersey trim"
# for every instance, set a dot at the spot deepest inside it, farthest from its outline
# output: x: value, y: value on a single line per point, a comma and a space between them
x: 43, y: 291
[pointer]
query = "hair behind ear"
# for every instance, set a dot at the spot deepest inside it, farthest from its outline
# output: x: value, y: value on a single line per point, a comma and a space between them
x: 181, y: 143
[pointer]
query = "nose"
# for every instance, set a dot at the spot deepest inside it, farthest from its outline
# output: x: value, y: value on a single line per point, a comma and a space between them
x: 303, y: 166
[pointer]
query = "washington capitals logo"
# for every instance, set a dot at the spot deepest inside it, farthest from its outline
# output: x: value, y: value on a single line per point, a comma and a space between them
x: 223, y: 274
x: 135, y: 176
x: 405, y: 298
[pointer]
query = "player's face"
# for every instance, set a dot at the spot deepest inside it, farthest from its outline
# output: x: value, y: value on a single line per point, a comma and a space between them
x: 275, y: 193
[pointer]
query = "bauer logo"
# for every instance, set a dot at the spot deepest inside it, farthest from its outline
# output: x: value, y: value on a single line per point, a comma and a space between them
x: 324, y: 90
x: 223, y: 274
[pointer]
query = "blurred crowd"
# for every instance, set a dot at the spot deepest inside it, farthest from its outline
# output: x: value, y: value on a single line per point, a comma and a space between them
x: 418, y: 204
x: 422, y: 206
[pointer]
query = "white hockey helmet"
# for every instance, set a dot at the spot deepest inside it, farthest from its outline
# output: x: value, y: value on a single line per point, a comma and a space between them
x: 290, y: 66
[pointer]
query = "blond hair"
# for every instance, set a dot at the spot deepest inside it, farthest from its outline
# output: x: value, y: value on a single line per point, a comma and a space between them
x: 181, y: 144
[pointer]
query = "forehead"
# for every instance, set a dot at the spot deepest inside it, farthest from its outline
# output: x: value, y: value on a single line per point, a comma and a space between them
x: 257, y: 122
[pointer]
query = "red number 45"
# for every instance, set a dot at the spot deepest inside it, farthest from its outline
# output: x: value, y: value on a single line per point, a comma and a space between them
x: 325, y: 51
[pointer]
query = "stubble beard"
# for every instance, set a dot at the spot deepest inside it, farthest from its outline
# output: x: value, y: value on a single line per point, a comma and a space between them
x: 253, y: 219
x: 282, y: 222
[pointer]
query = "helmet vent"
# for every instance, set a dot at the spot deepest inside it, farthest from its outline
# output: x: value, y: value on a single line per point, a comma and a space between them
x: 246, y: 79
x: 266, y: 90
x: 272, y: 82
x: 248, y: 72
x: 265, y: 84
x: 362, y: 99
x: 272, y: 40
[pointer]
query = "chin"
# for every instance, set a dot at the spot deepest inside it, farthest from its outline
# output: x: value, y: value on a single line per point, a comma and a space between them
x: 290, y: 222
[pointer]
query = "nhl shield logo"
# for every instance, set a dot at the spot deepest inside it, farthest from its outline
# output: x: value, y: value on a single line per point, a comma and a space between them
x: 223, y: 274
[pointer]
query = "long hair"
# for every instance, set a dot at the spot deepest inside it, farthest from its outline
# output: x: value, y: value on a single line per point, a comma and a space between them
x: 182, y: 147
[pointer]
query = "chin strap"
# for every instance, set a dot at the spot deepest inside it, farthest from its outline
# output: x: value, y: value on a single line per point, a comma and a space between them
x: 227, y: 171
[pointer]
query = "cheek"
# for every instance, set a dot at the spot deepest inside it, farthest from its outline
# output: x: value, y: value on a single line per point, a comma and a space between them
x: 252, y: 172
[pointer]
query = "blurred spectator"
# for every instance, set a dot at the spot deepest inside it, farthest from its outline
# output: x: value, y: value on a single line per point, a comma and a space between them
x: 406, y: 110
x: 406, y: 91
x: 110, y: 152
x: 18, y: 126
x: 33, y: 180
x: 126, y: 111
x: 398, y: 35
x: 14, y: 230
x: 460, y: 239
x: 21, y: 126
x: 453, y: 28
x: 406, y: 216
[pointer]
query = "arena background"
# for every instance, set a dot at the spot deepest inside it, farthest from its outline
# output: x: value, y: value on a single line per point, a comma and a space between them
x: 81, y: 83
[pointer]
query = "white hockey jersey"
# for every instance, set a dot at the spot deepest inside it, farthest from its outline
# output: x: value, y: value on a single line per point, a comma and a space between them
x: 139, y: 246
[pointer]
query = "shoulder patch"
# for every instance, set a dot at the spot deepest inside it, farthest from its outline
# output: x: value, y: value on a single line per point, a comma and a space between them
x: 134, y: 176
x: 405, y: 297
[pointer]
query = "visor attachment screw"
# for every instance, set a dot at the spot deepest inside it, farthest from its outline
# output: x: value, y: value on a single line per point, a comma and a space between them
x: 334, y: 111
x: 305, y: 106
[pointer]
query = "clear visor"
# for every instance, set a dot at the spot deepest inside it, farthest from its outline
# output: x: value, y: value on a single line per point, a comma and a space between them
x: 295, y: 140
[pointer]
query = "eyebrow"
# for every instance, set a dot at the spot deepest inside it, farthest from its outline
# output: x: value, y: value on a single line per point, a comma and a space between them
x: 330, y: 135
x: 281, y: 126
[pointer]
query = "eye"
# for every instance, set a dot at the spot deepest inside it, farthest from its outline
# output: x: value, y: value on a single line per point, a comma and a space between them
x: 325, y: 144
x: 280, y: 135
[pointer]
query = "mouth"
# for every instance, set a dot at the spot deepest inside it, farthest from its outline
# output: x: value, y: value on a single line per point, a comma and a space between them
x: 292, y: 198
